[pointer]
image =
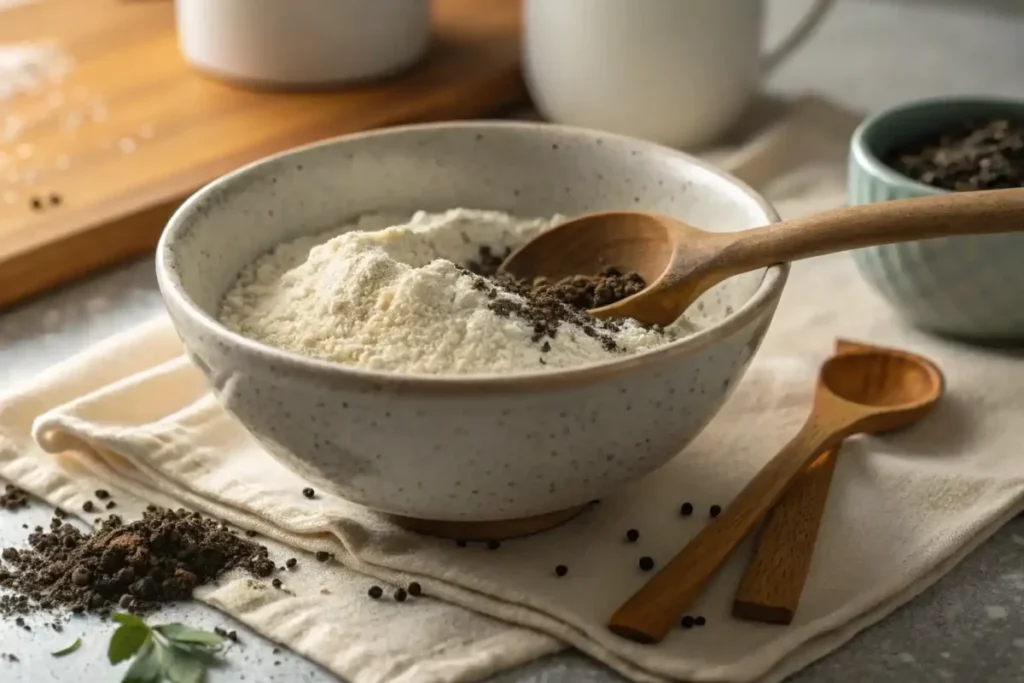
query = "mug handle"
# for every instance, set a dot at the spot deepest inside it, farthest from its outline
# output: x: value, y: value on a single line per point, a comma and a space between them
x: 800, y: 33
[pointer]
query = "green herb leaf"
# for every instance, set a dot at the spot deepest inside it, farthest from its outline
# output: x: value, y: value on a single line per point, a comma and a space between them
x: 167, y: 653
x: 126, y: 641
x: 126, y: 619
x: 179, y: 633
x: 184, y: 668
x: 147, y: 667
x: 203, y: 654
x: 69, y: 649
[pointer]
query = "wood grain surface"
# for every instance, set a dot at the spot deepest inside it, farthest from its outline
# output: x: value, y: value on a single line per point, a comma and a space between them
x: 93, y: 163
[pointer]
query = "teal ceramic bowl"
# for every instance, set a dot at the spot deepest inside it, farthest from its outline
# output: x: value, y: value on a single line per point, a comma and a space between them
x: 971, y: 287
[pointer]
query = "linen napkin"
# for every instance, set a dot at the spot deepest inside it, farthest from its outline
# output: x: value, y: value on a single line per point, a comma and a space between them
x: 133, y: 415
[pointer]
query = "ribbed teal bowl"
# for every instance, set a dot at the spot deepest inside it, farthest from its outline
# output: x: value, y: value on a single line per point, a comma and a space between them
x: 971, y: 287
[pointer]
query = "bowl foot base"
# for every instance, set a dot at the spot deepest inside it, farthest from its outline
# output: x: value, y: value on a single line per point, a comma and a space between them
x: 497, y: 530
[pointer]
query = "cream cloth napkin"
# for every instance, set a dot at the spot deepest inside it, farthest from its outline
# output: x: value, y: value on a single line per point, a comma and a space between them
x: 133, y: 415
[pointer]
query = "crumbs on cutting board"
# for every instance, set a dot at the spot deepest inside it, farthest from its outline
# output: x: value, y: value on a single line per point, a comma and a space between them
x: 38, y: 95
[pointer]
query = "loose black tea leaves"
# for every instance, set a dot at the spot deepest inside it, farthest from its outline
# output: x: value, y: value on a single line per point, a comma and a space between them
x: 967, y: 156
x: 136, y: 566
x: 13, y: 498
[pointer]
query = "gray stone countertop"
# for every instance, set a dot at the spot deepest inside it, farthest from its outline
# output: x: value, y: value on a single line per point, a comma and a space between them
x: 870, y: 54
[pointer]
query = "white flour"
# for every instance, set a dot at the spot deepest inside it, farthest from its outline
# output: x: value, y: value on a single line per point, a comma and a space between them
x: 394, y: 299
x: 24, y: 67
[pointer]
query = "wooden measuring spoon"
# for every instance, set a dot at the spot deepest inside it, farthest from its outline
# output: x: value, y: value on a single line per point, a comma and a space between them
x: 680, y: 262
x: 771, y: 588
x: 869, y: 391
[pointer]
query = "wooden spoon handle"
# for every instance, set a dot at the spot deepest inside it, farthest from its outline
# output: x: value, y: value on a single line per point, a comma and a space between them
x: 901, y: 220
x: 770, y: 590
x: 649, y: 614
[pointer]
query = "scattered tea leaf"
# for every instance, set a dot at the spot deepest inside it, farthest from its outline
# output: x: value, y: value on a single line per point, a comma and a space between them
x: 69, y: 649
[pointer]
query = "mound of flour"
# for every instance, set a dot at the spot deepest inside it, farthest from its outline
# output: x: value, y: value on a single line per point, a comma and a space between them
x: 392, y: 294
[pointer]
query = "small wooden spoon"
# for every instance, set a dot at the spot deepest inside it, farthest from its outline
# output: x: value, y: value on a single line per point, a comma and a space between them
x: 680, y: 262
x: 770, y: 590
x: 869, y: 391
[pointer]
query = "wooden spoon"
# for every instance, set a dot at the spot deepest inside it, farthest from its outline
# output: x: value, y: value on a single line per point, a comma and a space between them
x: 770, y: 590
x: 869, y: 391
x: 680, y: 262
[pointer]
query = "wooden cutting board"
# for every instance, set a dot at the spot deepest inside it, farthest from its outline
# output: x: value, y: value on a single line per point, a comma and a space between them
x: 93, y: 163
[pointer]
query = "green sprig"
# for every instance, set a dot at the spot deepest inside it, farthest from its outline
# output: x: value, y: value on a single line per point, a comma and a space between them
x: 168, y: 653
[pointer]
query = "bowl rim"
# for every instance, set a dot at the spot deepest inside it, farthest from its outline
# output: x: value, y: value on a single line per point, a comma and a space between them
x: 869, y: 162
x: 762, y: 302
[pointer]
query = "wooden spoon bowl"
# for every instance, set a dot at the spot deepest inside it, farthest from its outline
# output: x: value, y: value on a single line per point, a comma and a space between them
x: 680, y: 262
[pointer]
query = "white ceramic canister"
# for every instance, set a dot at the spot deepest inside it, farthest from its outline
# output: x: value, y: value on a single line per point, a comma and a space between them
x: 678, y: 72
x: 302, y: 43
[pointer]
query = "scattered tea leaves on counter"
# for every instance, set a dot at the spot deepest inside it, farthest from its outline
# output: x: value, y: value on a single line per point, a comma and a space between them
x: 308, y: 492
x: 111, y: 505
x: 69, y: 649
x: 168, y: 652
x: 322, y: 556
x: 400, y: 595
x: 291, y: 562
x: 493, y: 545
x: 224, y: 633
x: 138, y: 566
x: 715, y: 510
x: 561, y: 570
x: 55, y: 199
x: 36, y: 203
x: 13, y: 498
x: 375, y: 592
x: 646, y: 563
x: 415, y: 589
x: 632, y: 535
x: 699, y: 621
x: 88, y: 506
x: 687, y: 622
x: 276, y: 583
x: 686, y: 509
x: 102, y: 494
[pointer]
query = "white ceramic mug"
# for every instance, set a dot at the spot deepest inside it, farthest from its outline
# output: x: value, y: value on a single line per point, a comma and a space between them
x: 678, y: 72
x: 302, y: 43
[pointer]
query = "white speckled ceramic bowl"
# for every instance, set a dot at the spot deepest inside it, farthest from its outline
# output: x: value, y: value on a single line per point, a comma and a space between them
x: 531, y: 447
x: 970, y: 287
